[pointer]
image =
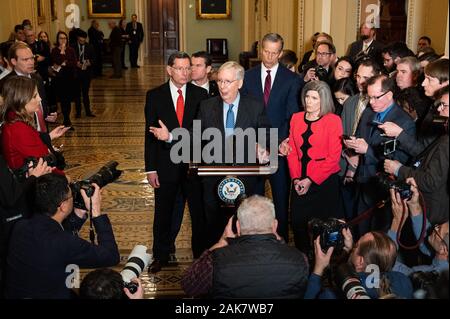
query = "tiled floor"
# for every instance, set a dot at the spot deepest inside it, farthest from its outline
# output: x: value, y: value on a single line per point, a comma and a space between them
x: 117, y: 134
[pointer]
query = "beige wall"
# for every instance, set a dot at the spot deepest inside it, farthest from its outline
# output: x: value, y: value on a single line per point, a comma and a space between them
x: 197, y: 31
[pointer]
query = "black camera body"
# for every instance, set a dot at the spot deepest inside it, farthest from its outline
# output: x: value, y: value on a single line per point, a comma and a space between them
x: 401, y: 187
x: 21, y: 173
x: 106, y: 175
x: 131, y: 286
x: 330, y: 232
x: 321, y: 73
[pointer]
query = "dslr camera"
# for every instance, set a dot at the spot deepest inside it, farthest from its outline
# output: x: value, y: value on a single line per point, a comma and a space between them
x: 401, y: 187
x: 330, y: 232
x: 137, y: 262
x: 321, y: 73
x: 21, y: 173
x: 348, y: 280
x: 106, y: 175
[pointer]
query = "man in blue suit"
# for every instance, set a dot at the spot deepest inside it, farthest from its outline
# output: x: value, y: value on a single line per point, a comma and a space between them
x: 279, y: 89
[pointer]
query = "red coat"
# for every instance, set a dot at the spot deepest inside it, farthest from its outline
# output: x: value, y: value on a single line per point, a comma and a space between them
x: 19, y: 141
x: 325, y: 151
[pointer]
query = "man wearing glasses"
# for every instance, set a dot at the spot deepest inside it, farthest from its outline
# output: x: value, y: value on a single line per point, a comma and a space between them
x: 173, y: 105
x: 325, y: 59
x: 368, y: 144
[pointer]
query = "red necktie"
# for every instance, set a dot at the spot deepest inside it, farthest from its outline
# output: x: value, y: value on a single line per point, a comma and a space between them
x: 267, y: 88
x: 180, y: 108
x: 41, y: 121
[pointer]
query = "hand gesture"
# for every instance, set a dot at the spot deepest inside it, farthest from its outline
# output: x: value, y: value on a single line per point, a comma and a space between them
x: 52, y: 117
x: 311, y: 75
x: 414, y: 203
x: 398, y: 209
x: 391, y: 129
x: 96, y: 201
x: 162, y: 133
x: 40, y: 169
x: 358, y: 144
x: 139, y: 294
x: 285, y: 149
x: 391, y: 167
x: 322, y: 260
x: 302, y: 186
x: 262, y: 154
x: 153, y: 180
x: 58, y: 132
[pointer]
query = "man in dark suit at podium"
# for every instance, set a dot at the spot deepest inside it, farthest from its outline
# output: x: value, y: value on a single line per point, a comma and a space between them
x: 278, y: 89
x: 170, y: 106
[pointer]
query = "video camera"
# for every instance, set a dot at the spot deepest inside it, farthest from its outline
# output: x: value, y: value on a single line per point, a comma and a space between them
x: 106, y: 175
x: 21, y: 173
x: 330, y: 233
x: 137, y: 262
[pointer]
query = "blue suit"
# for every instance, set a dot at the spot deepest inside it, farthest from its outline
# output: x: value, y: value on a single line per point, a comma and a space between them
x: 283, y: 103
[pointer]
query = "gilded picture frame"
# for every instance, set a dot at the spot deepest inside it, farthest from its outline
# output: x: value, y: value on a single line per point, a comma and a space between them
x: 106, y: 9
x: 213, y: 9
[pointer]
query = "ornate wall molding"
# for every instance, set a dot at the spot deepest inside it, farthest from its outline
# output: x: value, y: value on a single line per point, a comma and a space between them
x: 301, y: 28
x: 411, y: 4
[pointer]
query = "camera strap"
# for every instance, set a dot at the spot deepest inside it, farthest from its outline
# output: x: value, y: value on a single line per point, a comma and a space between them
x: 92, y: 234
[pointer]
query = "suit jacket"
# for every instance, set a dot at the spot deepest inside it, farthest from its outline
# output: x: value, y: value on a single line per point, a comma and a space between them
x: 372, y: 161
x: 40, y: 250
x: 374, y: 51
x: 136, y: 36
x: 213, y: 89
x: 89, y: 54
x: 432, y: 179
x: 284, y: 96
x: 159, y: 106
x: 251, y: 114
x: 325, y: 150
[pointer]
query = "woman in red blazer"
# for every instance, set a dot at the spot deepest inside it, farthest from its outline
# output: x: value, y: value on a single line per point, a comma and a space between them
x: 315, y: 142
x: 19, y: 137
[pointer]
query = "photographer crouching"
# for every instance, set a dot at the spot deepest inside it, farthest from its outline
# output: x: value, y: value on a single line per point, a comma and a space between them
x: 43, y: 246
x: 368, y: 273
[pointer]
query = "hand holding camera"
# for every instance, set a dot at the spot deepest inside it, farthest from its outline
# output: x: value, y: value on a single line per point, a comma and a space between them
x: 391, y: 167
x: 311, y: 75
x: 40, y: 169
x: 96, y: 199
x: 134, y: 289
x: 322, y: 260
x: 414, y: 204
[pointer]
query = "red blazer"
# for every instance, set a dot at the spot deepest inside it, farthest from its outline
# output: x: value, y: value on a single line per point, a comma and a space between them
x: 325, y: 151
x: 19, y: 141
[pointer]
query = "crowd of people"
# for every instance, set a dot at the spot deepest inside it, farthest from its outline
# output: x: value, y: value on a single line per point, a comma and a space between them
x: 361, y: 180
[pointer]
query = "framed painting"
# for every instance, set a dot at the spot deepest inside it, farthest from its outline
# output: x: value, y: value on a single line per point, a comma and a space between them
x: 213, y: 9
x: 40, y: 12
x: 53, y: 10
x: 106, y: 8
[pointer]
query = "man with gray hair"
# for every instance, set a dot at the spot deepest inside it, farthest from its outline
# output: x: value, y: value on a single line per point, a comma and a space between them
x: 253, y: 263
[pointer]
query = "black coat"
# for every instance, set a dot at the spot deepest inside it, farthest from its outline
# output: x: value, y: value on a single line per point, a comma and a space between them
x: 432, y: 179
x: 136, y: 36
x: 159, y: 106
x: 259, y: 266
x: 40, y: 250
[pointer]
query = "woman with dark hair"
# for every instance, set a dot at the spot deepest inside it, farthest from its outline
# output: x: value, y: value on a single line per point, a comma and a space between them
x: 342, y: 90
x: 19, y: 137
x: 64, y: 62
x: 315, y: 141
x: 343, y: 68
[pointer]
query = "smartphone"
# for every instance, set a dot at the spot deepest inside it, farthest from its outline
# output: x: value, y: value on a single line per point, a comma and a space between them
x: 346, y: 137
x: 377, y: 123
x: 390, y: 147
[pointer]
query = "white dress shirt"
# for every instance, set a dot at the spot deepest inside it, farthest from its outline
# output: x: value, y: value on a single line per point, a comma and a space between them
x: 273, y: 74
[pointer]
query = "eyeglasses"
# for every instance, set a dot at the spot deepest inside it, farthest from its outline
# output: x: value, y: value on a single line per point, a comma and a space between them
x: 323, y: 54
x: 182, y: 69
x: 225, y: 83
x: 377, y: 98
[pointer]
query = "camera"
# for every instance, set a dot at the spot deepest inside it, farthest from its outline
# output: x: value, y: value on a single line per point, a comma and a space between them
x: 401, y: 187
x: 347, y: 279
x: 136, y: 263
x: 21, y: 173
x: 321, y: 73
x: 330, y: 232
x: 106, y: 175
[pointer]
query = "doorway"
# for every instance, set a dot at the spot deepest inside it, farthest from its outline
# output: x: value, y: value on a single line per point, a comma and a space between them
x: 163, y: 30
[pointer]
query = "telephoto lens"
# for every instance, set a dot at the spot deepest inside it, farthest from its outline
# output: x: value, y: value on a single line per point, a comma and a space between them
x: 137, y: 262
x: 348, y: 280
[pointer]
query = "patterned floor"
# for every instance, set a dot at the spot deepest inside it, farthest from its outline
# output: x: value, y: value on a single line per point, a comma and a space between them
x: 117, y: 134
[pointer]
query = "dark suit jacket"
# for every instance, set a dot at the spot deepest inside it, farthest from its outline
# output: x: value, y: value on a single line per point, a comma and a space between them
x: 89, y: 54
x: 372, y: 161
x: 40, y: 250
x: 374, y: 51
x: 251, y: 114
x: 213, y: 89
x: 432, y: 179
x: 159, y: 106
x: 139, y: 36
x: 284, y: 96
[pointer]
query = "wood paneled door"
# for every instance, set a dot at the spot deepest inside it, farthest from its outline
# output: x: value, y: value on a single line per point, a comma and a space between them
x: 164, y: 29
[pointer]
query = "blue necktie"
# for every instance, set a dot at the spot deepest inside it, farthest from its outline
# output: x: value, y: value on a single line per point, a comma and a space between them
x: 230, y: 118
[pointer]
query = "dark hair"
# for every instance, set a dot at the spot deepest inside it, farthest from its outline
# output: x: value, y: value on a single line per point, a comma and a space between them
x: 387, y: 83
x: 440, y: 93
x: 330, y: 45
x: 26, y: 22
x: 289, y: 58
x: 50, y: 191
x: 4, y: 48
x: 57, y: 38
x: 370, y: 63
x: 205, y: 56
x: 346, y: 86
x: 412, y: 98
x: 102, y: 284
x: 398, y: 50
x: 81, y: 34
x: 438, y: 69
x: 177, y: 55
x: 426, y: 39
x: 18, y: 27
x: 273, y: 37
